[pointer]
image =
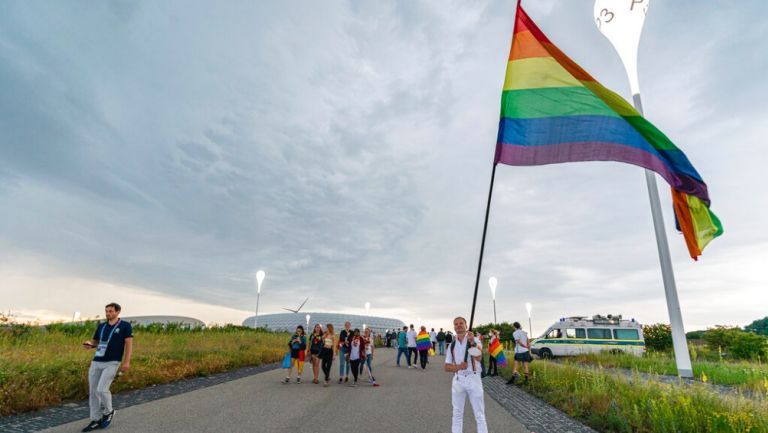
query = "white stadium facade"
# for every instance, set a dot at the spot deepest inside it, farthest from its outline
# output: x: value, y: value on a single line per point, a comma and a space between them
x: 181, y: 320
x: 289, y: 321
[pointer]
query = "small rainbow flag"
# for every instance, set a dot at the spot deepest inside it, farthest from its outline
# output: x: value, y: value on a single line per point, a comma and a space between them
x: 497, y: 351
x: 422, y: 341
x: 553, y: 111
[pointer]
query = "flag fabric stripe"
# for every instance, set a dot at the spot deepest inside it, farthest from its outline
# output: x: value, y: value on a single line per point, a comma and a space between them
x: 552, y: 101
x: 524, y: 46
x: 538, y: 72
x: 553, y: 111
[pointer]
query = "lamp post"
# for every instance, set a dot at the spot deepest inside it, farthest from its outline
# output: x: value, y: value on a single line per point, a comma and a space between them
x: 493, y: 282
x: 367, y: 308
x: 528, y: 307
x: 307, y: 320
x: 259, y: 279
x: 622, y: 24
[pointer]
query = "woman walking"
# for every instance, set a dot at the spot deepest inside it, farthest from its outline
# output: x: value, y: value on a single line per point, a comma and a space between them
x: 355, y: 354
x: 315, y: 345
x: 326, y: 352
x: 298, y: 346
x: 423, y: 344
x: 369, y: 347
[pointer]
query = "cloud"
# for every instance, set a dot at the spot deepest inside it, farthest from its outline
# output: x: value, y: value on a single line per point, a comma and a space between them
x: 347, y: 151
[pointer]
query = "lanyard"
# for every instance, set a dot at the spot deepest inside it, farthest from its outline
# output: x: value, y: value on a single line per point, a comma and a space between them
x: 101, y: 336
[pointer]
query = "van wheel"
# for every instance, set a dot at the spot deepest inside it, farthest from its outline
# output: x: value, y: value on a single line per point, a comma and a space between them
x: 545, y: 354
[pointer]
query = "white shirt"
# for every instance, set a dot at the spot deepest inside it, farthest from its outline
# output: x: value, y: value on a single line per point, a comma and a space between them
x: 354, y: 350
x: 432, y: 336
x: 522, y: 337
x: 459, y: 350
x: 411, y: 338
x: 368, y: 349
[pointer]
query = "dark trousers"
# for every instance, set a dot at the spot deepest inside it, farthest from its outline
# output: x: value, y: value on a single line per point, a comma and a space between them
x: 355, y: 368
x: 326, y: 355
x: 423, y: 355
x: 414, y: 352
x: 403, y: 351
x: 493, y: 366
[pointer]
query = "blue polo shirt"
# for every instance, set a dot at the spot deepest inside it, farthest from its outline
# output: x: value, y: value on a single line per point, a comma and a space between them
x: 116, y: 345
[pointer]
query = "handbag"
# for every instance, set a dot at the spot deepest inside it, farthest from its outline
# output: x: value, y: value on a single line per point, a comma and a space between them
x: 287, y: 360
x: 431, y: 352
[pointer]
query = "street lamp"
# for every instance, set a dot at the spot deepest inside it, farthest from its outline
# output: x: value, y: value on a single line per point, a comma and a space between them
x: 259, y: 279
x: 367, y: 308
x: 528, y: 307
x: 307, y: 320
x: 493, y: 282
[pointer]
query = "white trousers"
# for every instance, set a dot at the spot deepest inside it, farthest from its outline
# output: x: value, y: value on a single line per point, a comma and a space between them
x: 100, y: 377
x: 468, y: 386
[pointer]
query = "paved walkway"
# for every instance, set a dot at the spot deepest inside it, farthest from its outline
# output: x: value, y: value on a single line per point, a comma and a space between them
x: 407, y: 401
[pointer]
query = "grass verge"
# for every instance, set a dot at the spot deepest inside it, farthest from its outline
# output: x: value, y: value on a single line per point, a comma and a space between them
x: 748, y: 375
x: 609, y: 403
x: 45, y: 366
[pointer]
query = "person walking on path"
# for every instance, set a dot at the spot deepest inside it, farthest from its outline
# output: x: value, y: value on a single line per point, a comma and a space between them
x: 522, y: 353
x: 344, y: 337
x: 315, y: 346
x: 369, y: 349
x: 466, y: 377
x: 412, y: 343
x: 326, y: 353
x: 441, y: 342
x: 355, y: 354
x: 298, y: 346
x: 112, y: 340
x: 402, y: 346
x: 493, y: 365
x: 433, y: 339
x: 423, y: 345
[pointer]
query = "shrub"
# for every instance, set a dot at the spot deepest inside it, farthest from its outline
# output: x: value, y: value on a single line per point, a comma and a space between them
x: 721, y: 337
x: 747, y: 345
x: 658, y: 337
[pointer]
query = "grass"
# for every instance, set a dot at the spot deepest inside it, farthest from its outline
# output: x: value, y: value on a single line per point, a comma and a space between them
x: 45, y: 366
x: 609, y: 403
x: 752, y: 376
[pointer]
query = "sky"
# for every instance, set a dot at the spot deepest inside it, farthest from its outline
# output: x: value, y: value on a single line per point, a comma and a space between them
x: 157, y: 154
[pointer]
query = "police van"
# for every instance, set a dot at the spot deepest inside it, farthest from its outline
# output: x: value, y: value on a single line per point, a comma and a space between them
x: 580, y: 335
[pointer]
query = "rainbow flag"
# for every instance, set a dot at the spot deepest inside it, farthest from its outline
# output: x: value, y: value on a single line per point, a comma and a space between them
x: 497, y: 351
x: 422, y: 341
x: 552, y: 111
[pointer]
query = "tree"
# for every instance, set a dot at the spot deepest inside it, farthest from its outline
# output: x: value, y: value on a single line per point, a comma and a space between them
x: 658, y: 336
x: 759, y: 326
x: 747, y: 345
x: 721, y: 337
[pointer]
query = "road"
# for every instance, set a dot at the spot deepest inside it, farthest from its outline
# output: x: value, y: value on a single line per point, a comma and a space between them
x: 408, y: 401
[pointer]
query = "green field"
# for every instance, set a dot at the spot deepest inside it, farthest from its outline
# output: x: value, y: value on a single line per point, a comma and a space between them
x: 41, y: 366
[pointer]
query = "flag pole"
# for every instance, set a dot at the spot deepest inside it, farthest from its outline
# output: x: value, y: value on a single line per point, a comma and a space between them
x: 623, y: 25
x: 482, y: 247
x: 679, y: 343
x: 485, y: 224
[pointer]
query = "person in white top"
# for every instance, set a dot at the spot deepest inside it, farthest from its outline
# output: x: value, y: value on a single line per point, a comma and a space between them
x: 522, y: 353
x: 433, y: 338
x: 466, y: 376
x: 412, y: 344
